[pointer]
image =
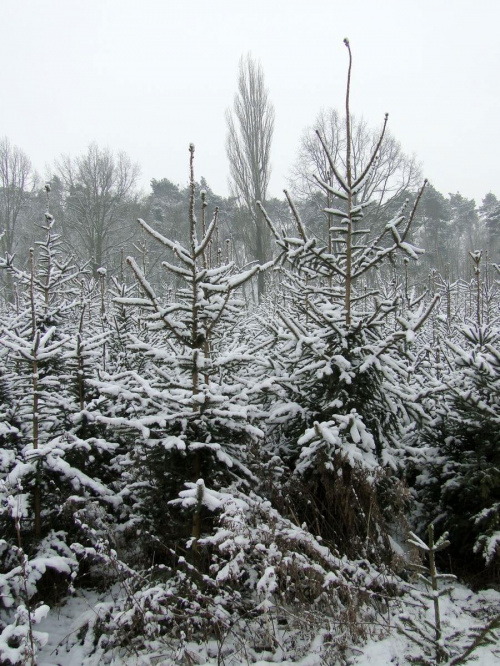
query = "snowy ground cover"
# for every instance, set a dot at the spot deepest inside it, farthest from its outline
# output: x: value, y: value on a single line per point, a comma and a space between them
x: 462, y: 610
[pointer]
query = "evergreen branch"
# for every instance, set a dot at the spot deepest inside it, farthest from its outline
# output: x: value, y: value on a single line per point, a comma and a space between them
x: 326, y: 186
x: 295, y: 212
x: 359, y: 180
x: 482, y: 639
x: 269, y: 221
x: 414, y: 210
x: 208, y: 235
x: 175, y: 247
x: 337, y: 175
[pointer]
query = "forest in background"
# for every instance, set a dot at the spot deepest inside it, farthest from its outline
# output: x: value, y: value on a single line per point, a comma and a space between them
x: 96, y: 202
x: 244, y: 413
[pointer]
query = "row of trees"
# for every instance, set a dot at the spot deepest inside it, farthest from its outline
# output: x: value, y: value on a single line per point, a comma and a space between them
x: 95, y: 200
x: 95, y: 196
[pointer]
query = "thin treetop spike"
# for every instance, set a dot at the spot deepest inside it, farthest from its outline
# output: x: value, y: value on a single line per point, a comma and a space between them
x: 191, y: 162
x: 348, y: 269
x: 192, y: 217
x: 346, y: 42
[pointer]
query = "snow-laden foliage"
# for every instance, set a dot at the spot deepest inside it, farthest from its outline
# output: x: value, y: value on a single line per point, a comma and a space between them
x: 340, y: 357
x: 459, y: 466
x: 240, y: 482
x: 261, y: 566
x: 190, y: 405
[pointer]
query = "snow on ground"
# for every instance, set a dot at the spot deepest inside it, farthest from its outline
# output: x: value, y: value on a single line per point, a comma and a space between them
x: 460, y: 611
x: 59, y: 625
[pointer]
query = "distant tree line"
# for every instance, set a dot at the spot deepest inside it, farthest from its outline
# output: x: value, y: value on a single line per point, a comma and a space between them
x: 96, y: 201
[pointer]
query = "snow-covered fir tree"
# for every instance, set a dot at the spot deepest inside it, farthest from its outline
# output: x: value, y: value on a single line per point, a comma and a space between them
x: 341, y: 359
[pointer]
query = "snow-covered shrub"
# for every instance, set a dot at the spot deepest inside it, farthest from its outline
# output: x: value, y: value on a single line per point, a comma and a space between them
x: 25, y: 582
x: 19, y: 642
x: 459, y: 465
x: 272, y: 591
x: 52, y: 462
x: 427, y: 634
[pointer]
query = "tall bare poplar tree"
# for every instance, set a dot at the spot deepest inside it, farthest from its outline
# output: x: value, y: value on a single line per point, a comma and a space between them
x: 250, y: 132
x: 16, y: 185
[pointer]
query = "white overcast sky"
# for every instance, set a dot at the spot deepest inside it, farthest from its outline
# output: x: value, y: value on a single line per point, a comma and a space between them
x: 150, y: 76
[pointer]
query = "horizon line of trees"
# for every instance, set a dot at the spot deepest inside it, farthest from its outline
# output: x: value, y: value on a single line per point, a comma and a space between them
x: 95, y: 201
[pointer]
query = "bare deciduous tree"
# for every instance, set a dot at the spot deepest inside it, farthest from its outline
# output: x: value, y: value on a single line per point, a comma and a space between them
x: 391, y: 176
x: 17, y: 181
x: 250, y: 132
x: 98, y: 186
